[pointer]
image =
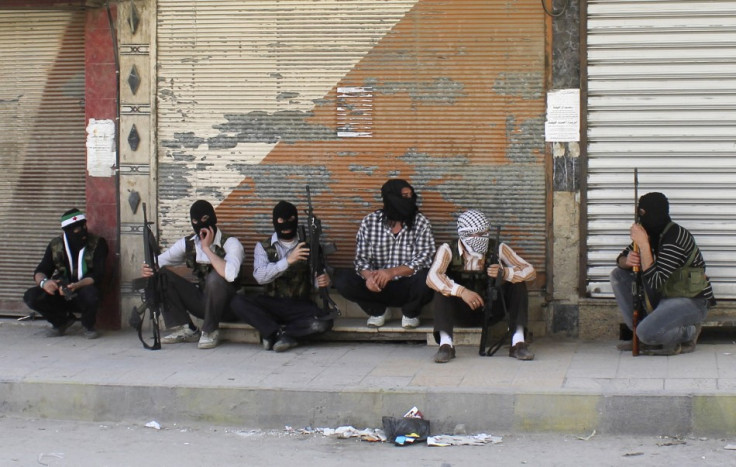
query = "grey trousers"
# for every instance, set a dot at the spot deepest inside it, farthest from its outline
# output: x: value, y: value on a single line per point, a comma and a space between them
x: 673, y: 320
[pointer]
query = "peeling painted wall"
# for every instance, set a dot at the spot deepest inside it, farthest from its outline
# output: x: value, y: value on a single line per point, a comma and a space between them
x: 248, y: 106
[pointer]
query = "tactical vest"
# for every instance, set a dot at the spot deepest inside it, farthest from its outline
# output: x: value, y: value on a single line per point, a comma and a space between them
x: 473, y: 280
x: 201, y: 270
x: 685, y: 281
x: 293, y: 283
x: 58, y: 253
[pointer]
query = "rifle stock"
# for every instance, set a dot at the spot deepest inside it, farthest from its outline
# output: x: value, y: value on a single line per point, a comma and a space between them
x: 317, y: 263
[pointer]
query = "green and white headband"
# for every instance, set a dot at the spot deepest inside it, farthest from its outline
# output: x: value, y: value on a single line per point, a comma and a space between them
x: 72, y: 218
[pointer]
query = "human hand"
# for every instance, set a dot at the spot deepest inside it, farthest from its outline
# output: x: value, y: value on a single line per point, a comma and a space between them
x: 146, y: 270
x: 323, y: 280
x: 472, y: 299
x: 299, y: 253
x: 370, y: 280
x: 494, y: 270
x: 633, y: 259
x: 639, y: 236
x: 50, y: 286
x: 206, y: 237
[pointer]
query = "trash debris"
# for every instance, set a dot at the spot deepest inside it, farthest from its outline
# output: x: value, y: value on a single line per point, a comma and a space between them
x: 153, y: 424
x: 466, y: 440
x: 411, y: 429
x: 344, y: 432
x: 730, y: 447
x: 413, y: 413
x: 459, y: 429
x: 587, y: 438
x: 632, y: 454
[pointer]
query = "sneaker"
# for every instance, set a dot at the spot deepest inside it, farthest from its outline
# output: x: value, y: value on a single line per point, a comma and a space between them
x: 520, y: 351
x: 209, y: 340
x: 284, y: 343
x: 689, y: 346
x: 378, y: 321
x: 676, y: 350
x: 91, y: 333
x: 445, y: 353
x: 184, y: 334
x: 409, y: 323
x: 319, y: 326
x: 59, y: 331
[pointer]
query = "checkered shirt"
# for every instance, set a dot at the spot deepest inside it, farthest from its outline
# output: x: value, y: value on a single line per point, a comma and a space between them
x: 377, y: 248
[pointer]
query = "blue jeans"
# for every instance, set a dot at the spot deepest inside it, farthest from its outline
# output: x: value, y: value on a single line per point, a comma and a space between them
x: 671, y: 323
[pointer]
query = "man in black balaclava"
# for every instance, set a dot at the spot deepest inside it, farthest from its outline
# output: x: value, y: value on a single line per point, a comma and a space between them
x: 69, y: 277
x: 394, y: 249
x: 215, y: 259
x: 677, y: 291
x: 286, y: 311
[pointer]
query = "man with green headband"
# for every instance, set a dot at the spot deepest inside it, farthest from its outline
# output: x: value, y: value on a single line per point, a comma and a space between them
x: 69, y: 276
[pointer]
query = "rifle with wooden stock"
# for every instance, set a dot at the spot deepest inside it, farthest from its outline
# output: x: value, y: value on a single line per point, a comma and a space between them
x: 317, y: 253
x: 637, y: 287
x: 493, y: 295
x: 152, y: 289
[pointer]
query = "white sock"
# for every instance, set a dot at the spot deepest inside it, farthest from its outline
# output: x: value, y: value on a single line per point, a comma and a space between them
x: 518, y: 336
x: 445, y: 338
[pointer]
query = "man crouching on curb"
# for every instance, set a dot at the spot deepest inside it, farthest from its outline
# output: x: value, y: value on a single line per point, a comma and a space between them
x: 458, y: 274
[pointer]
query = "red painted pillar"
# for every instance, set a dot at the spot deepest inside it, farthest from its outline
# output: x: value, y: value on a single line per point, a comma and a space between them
x: 101, y: 98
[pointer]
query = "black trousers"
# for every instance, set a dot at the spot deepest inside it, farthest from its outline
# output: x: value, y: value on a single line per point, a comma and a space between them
x: 57, y: 310
x: 451, y: 310
x: 211, y: 305
x: 296, y: 318
x: 409, y: 293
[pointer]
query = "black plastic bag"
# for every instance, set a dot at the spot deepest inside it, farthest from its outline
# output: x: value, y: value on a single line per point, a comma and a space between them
x: 397, y: 427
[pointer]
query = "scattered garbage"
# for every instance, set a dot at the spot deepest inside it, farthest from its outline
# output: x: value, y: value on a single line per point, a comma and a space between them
x: 153, y: 424
x: 587, y: 438
x: 730, y: 447
x: 463, y: 440
x: 409, y: 429
x: 57, y: 455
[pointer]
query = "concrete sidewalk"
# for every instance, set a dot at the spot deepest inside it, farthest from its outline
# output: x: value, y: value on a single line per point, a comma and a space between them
x: 572, y: 386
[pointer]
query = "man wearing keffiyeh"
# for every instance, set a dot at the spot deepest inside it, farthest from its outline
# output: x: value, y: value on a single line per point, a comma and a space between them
x: 73, y: 265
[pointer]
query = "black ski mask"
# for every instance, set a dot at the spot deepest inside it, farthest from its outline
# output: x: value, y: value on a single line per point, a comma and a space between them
x: 198, y: 211
x: 395, y: 206
x: 76, y: 233
x: 285, y: 211
x: 656, y: 215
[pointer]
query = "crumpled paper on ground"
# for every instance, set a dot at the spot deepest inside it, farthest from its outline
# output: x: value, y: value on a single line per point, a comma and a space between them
x: 463, y: 440
x: 367, y: 434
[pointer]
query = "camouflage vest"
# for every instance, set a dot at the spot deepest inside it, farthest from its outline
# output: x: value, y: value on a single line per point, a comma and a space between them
x: 200, y: 270
x: 474, y: 280
x: 58, y: 253
x: 293, y: 283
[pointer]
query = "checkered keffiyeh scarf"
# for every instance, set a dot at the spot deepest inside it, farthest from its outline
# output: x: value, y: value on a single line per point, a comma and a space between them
x: 473, y: 222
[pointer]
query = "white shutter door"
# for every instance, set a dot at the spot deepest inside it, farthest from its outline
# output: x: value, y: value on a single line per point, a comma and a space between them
x: 662, y: 98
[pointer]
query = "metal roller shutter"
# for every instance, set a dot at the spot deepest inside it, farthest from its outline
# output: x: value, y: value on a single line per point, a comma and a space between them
x: 662, y: 98
x: 42, y: 137
x: 257, y: 99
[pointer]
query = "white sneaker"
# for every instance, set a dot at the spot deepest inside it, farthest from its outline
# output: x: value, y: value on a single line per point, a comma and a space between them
x: 183, y: 334
x: 209, y: 340
x: 378, y: 321
x: 409, y: 323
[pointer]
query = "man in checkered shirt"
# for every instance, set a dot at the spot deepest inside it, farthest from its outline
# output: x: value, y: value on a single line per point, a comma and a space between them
x: 394, y: 249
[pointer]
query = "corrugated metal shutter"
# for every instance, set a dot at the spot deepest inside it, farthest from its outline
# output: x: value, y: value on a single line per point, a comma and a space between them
x: 257, y: 99
x: 42, y: 137
x: 662, y: 98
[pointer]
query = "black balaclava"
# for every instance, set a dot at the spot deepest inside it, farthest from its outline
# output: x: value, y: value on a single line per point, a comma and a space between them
x: 76, y: 240
x: 199, y: 209
x: 656, y: 215
x: 396, y: 207
x: 285, y: 211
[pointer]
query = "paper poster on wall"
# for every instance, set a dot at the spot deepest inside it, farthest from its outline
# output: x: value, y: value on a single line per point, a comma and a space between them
x: 563, y: 116
x: 101, y: 148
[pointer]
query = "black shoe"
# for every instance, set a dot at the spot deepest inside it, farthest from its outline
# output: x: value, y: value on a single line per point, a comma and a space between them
x: 60, y: 330
x: 650, y: 350
x: 284, y: 343
x: 91, y: 333
x: 520, y: 351
x: 269, y: 341
x: 318, y: 326
x: 445, y: 353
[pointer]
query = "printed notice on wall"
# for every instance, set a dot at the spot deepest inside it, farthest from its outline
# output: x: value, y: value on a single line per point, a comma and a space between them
x: 101, y: 148
x: 563, y: 116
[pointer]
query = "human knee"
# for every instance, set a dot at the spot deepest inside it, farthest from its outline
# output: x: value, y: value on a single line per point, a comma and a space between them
x: 214, y: 281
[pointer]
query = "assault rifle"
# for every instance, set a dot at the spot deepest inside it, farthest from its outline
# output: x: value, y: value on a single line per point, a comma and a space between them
x: 637, y: 288
x: 152, y: 289
x: 493, y: 295
x: 69, y: 294
x: 317, y: 253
